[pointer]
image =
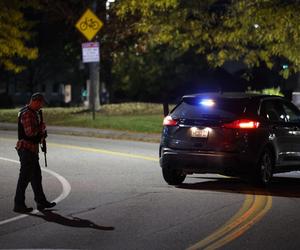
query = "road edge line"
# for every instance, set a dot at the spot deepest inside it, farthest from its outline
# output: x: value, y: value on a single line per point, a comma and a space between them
x: 66, y: 189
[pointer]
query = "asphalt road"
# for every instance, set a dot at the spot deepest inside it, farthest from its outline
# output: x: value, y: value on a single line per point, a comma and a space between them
x: 111, y: 195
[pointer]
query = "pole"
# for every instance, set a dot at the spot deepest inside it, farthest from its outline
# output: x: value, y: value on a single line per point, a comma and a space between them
x: 94, y: 79
x: 92, y: 88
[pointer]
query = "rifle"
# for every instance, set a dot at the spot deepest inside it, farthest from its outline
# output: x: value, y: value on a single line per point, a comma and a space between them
x: 44, y: 144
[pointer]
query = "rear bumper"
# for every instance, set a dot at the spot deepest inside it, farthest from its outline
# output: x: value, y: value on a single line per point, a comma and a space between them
x: 207, y: 161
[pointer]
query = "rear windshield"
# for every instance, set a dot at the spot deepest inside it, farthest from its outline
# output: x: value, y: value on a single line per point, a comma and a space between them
x: 209, y: 108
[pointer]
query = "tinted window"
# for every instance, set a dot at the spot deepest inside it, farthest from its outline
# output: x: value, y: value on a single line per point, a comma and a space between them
x: 292, y: 113
x: 192, y: 108
x: 279, y: 111
x: 272, y: 110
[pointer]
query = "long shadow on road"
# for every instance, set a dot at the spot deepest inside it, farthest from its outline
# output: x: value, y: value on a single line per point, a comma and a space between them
x: 50, y: 216
x: 280, y: 186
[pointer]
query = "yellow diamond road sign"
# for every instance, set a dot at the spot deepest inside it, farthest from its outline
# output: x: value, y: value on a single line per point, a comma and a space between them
x: 89, y: 24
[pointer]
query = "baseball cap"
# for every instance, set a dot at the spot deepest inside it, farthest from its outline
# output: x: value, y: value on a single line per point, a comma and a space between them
x: 38, y: 96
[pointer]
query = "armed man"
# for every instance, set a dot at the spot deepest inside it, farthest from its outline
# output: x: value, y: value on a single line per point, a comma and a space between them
x: 31, y: 133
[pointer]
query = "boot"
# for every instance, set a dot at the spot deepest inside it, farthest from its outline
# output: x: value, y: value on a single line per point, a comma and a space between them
x: 23, y: 209
x: 46, y: 204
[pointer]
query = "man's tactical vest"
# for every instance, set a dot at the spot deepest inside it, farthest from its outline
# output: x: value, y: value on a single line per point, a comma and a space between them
x: 21, y: 131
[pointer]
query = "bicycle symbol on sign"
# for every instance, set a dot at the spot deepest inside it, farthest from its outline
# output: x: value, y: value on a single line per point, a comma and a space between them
x: 89, y: 23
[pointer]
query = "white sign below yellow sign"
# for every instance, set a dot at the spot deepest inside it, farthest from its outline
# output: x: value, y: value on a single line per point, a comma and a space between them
x: 90, y: 52
x: 89, y: 24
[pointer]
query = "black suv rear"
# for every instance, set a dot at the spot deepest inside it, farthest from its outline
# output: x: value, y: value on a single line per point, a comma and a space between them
x: 232, y: 134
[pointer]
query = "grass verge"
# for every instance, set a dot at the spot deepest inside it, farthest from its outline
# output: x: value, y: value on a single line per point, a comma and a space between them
x: 134, y: 117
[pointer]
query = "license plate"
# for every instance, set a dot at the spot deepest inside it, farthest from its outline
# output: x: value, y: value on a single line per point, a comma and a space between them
x: 199, y: 132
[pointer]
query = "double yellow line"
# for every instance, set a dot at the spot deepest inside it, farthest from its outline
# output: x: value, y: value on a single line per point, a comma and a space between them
x: 254, y: 208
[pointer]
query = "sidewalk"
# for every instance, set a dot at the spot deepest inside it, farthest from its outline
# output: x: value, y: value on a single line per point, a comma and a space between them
x: 92, y: 132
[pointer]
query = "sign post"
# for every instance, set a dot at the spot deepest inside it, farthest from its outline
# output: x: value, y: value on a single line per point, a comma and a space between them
x: 89, y: 25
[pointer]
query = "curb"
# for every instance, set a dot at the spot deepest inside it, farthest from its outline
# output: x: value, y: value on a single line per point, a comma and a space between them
x: 91, y: 132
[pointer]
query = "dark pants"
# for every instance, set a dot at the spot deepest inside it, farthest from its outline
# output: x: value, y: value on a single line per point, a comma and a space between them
x: 30, y: 171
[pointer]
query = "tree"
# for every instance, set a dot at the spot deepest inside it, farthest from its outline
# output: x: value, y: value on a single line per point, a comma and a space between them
x: 251, y: 31
x: 15, y: 35
x: 67, y: 14
x: 158, y: 75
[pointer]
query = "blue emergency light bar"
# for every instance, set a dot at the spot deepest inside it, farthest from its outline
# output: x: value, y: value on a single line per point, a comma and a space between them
x: 207, y: 102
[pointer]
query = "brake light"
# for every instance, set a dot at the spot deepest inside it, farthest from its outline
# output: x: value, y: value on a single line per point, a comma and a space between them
x: 169, y: 121
x: 243, y: 124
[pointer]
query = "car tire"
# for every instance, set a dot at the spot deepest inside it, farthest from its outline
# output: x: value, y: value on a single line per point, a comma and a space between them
x: 265, y: 167
x: 173, y: 176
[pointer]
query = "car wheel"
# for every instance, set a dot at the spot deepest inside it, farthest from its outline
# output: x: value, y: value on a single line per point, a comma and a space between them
x: 265, y: 167
x: 173, y: 176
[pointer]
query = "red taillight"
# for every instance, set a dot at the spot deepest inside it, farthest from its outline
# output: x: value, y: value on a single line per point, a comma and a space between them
x: 168, y: 121
x: 243, y: 124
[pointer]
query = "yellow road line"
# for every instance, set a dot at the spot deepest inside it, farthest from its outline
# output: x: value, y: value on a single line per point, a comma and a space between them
x: 262, y: 205
x: 104, y: 151
x: 253, y: 209
x: 227, y: 226
x: 97, y: 150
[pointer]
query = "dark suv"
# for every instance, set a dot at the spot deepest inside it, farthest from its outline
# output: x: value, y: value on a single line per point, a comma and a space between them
x: 237, y: 134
